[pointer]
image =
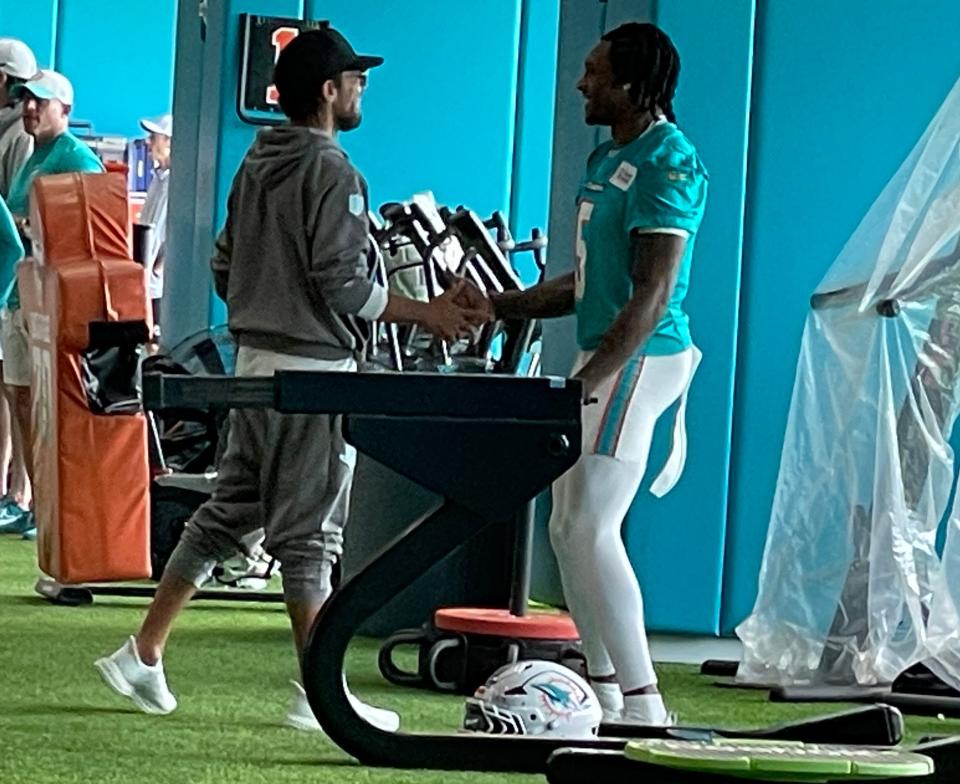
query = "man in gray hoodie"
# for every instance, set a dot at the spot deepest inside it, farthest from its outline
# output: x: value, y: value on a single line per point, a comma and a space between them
x: 293, y: 264
x: 17, y: 64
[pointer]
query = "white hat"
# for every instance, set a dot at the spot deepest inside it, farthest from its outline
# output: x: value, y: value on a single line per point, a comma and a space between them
x: 16, y: 59
x: 46, y: 85
x: 162, y: 124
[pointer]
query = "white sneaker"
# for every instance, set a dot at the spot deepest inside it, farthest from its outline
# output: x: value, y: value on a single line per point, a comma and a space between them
x: 143, y: 684
x: 251, y: 584
x: 611, y: 700
x: 249, y: 573
x: 197, y: 483
x: 300, y: 715
x: 646, y: 710
x: 611, y: 716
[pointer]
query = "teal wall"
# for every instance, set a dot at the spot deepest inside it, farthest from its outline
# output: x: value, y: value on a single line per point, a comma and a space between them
x: 35, y: 23
x: 436, y: 117
x: 535, y: 116
x: 117, y: 53
x: 677, y: 543
x: 120, y: 60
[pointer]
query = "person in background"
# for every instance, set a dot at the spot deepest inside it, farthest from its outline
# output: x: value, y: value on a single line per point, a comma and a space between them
x: 154, y: 212
x: 17, y: 64
x: 11, y: 251
x: 47, y: 101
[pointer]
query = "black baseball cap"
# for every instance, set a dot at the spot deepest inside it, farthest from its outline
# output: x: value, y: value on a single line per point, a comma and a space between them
x: 331, y: 52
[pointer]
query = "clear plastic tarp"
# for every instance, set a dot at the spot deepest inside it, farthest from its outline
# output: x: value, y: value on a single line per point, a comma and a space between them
x: 852, y: 589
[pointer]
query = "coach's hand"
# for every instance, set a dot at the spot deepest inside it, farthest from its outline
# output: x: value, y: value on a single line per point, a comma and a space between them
x: 448, y: 318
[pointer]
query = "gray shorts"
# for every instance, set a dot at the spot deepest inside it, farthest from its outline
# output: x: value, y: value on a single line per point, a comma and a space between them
x: 16, y: 349
x: 288, y: 474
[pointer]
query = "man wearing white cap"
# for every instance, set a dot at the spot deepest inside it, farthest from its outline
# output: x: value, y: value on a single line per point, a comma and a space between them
x: 17, y: 64
x: 154, y: 212
x: 47, y: 100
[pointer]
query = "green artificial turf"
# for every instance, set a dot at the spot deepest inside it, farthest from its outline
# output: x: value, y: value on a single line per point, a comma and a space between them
x: 229, y: 665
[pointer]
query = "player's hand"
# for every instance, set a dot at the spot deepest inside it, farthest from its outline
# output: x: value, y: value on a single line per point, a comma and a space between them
x: 470, y: 296
x: 449, y: 320
x: 590, y: 386
x: 473, y: 298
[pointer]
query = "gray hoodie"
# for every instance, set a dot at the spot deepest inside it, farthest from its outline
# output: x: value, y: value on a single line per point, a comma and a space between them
x: 293, y: 259
x: 15, y: 146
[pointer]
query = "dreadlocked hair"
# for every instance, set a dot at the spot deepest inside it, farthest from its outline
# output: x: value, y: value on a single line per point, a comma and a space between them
x: 644, y: 57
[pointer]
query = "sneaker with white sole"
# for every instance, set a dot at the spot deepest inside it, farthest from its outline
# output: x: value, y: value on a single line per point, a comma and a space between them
x: 9, y: 509
x: 646, y: 710
x: 245, y: 572
x: 18, y: 522
x: 300, y: 714
x: 143, y: 684
x: 611, y: 700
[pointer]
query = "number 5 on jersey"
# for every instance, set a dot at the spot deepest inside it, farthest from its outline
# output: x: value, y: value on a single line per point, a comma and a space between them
x: 583, y: 217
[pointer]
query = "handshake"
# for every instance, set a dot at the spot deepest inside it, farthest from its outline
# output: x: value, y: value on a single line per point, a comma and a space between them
x: 458, y: 311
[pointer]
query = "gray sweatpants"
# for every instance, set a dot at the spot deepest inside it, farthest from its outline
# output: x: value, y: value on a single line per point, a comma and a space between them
x: 289, y: 474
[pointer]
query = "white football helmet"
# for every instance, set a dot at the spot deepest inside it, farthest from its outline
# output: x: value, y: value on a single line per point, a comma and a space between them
x: 534, y: 698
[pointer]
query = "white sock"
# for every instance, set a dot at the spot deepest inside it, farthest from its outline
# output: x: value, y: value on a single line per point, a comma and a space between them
x: 610, y: 698
x: 645, y: 709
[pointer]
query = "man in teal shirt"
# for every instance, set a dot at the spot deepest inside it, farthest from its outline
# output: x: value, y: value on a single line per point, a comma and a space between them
x: 47, y: 100
x: 11, y: 251
x: 639, y: 209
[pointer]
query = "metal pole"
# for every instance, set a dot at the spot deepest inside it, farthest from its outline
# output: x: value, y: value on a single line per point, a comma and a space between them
x: 522, y: 557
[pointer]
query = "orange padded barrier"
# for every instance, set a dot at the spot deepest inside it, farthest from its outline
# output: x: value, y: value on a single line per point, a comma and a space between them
x: 79, y: 217
x: 91, y: 475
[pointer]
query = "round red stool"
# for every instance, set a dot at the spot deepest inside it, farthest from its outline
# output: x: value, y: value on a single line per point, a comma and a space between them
x: 463, y: 646
x: 544, y: 625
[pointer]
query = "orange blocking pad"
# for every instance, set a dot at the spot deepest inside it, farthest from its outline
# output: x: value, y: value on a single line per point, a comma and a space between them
x: 79, y: 217
x: 91, y: 475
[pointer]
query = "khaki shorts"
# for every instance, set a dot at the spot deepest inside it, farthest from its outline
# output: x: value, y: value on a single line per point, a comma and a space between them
x: 16, y: 349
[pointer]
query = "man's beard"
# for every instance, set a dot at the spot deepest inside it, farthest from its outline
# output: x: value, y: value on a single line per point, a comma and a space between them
x: 347, y: 122
x: 596, y: 115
